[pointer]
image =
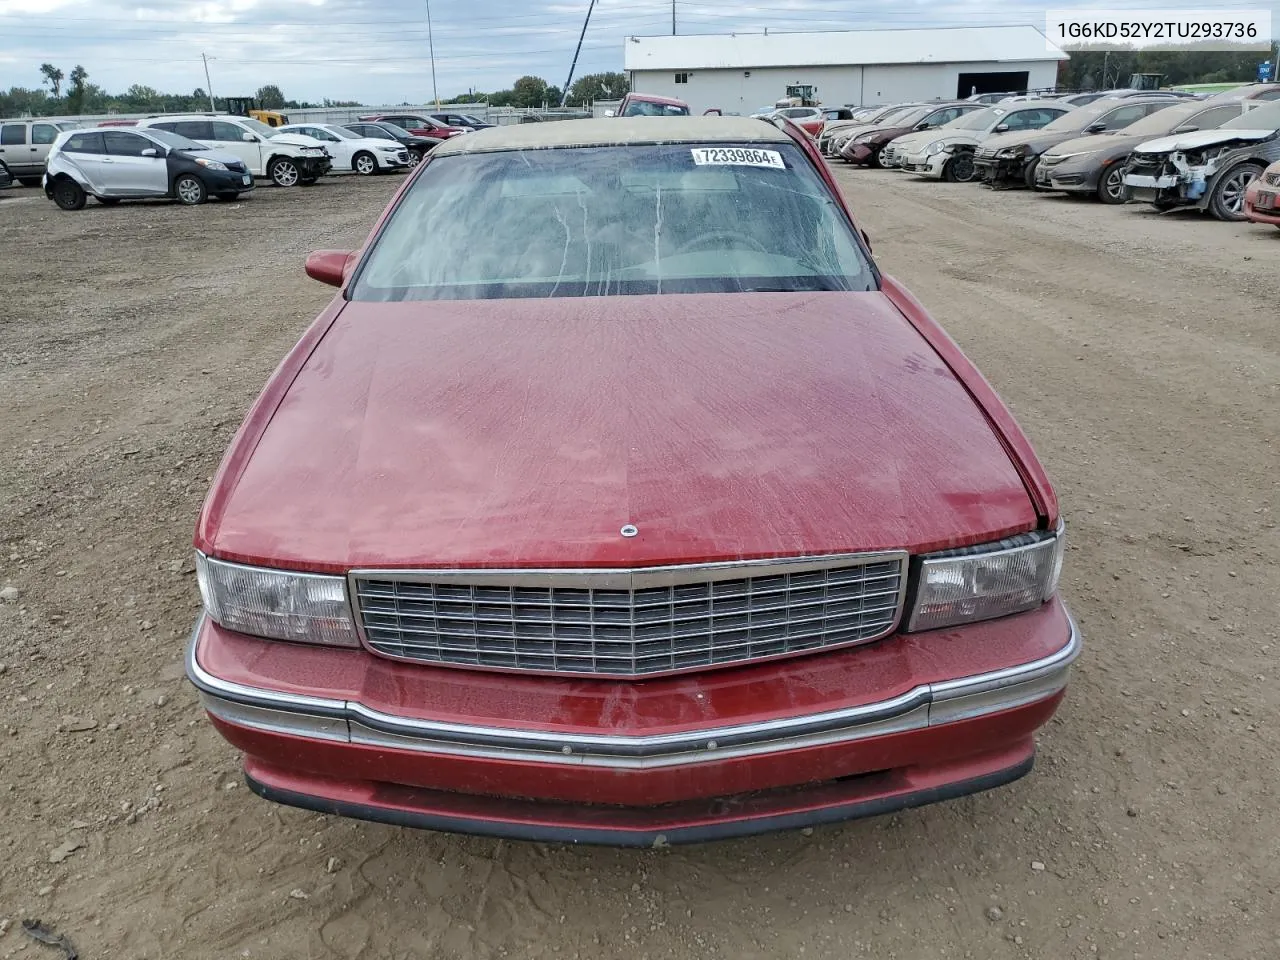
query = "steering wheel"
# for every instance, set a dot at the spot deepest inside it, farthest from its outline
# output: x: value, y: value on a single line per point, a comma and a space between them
x: 735, y: 241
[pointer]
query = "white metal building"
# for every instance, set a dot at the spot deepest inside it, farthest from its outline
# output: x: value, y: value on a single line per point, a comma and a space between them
x: 742, y: 73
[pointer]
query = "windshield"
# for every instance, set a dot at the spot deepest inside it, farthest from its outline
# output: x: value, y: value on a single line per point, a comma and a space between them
x: 175, y: 140
x: 1260, y: 118
x: 894, y: 114
x: 341, y: 133
x: 258, y: 127
x: 976, y: 119
x: 395, y: 131
x: 470, y: 119
x: 610, y: 221
x: 1081, y: 117
x: 643, y: 108
x: 1162, y: 121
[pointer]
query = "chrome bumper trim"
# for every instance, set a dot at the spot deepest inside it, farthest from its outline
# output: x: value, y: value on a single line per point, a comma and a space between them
x: 349, y: 721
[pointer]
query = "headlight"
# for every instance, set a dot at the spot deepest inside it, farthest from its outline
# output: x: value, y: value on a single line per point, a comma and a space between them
x: 390, y: 149
x: 865, y: 138
x: 981, y: 583
x: 211, y: 164
x: 935, y: 147
x: 303, y: 607
x: 1072, y: 156
x: 1009, y: 153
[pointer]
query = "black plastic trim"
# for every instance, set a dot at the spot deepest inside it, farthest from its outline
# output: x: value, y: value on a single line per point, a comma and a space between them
x: 604, y: 836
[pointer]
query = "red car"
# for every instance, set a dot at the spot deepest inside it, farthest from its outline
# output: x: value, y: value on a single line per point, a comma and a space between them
x: 619, y: 498
x: 649, y: 105
x: 418, y: 125
x: 1260, y: 198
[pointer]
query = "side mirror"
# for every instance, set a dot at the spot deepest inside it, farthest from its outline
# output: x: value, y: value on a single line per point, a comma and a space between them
x: 150, y: 152
x: 248, y: 138
x: 1095, y: 128
x: 1002, y: 128
x: 924, y: 125
x: 329, y: 266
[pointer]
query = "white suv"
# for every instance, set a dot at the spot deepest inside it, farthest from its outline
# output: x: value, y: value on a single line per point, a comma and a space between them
x: 350, y: 151
x: 287, y: 159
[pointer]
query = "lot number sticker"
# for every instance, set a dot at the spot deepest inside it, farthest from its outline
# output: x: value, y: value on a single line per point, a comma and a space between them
x: 737, y: 157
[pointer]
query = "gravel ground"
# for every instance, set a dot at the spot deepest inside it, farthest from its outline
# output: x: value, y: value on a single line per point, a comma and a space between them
x: 1141, y: 353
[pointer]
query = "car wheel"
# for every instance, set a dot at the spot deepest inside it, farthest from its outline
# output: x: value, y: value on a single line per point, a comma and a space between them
x: 415, y: 158
x: 1029, y: 175
x: 1227, y: 202
x: 365, y: 164
x: 874, y: 161
x: 284, y: 172
x: 190, y: 190
x: 881, y: 159
x: 108, y: 201
x: 1111, y: 188
x: 68, y: 195
x: 960, y: 168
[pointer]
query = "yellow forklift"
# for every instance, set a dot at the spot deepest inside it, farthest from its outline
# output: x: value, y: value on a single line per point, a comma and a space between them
x: 248, y: 107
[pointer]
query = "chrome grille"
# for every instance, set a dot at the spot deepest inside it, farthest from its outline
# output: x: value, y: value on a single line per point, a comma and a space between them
x: 890, y: 152
x: 630, y: 623
x: 1273, y: 179
x: 986, y: 152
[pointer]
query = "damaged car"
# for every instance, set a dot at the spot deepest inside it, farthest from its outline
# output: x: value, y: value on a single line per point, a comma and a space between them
x: 1094, y: 165
x: 947, y: 153
x: 836, y: 135
x: 1010, y: 159
x: 1209, y: 169
x: 870, y: 147
x: 1260, y: 199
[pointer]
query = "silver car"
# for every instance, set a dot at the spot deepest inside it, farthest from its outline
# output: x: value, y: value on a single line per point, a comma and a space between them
x: 135, y: 164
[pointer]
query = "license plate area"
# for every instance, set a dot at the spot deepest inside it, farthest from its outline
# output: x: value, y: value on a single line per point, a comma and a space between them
x: 246, y: 179
x: 1266, y: 200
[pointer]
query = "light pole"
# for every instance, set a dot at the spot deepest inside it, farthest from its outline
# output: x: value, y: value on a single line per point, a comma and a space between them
x: 208, y: 84
x: 564, y: 94
x: 431, y: 44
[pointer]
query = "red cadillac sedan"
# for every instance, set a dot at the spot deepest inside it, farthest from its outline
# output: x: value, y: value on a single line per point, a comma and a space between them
x: 619, y: 498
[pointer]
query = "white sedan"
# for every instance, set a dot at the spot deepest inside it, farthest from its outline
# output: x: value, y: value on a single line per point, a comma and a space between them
x: 365, y: 155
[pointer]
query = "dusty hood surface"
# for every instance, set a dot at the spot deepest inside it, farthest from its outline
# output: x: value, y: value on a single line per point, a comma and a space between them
x: 1201, y: 138
x: 528, y: 433
x: 297, y: 139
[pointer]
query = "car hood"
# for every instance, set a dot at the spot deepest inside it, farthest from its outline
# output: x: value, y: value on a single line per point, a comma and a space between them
x: 1104, y: 144
x: 1201, y: 138
x: 916, y: 139
x: 222, y: 156
x: 528, y: 433
x: 297, y: 139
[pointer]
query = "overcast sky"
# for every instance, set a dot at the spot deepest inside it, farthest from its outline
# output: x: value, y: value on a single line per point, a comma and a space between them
x: 376, y: 51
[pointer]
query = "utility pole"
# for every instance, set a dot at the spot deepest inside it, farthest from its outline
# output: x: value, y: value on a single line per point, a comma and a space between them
x: 208, y: 84
x: 431, y: 43
x: 564, y: 95
x: 673, y: 17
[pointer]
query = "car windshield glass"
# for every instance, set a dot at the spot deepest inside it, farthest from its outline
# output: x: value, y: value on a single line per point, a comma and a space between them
x: 175, y: 140
x: 913, y: 116
x: 1162, y: 121
x: 394, y: 130
x: 897, y: 113
x: 258, y: 127
x: 976, y: 119
x: 643, y: 108
x: 1260, y: 118
x: 1081, y: 117
x: 341, y: 133
x: 608, y: 221
x: 470, y: 119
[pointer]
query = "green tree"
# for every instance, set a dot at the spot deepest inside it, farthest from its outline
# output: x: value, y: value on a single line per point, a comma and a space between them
x: 270, y: 97
x: 52, y: 76
x: 599, y: 86
x: 76, y: 94
x: 529, y: 92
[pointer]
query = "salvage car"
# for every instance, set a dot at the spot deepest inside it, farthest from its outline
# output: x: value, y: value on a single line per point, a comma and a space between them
x: 1094, y: 165
x: 1208, y: 169
x: 1260, y: 203
x: 417, y: 146
x: 948, y: 154
x: 139, y: 164
x: 286, y: 159
x: 835, y: 135
x: 1010, y: 159
x: 870, y: 147
x: 350, y: 151
x: 25, y: 146
x: 509, y: 544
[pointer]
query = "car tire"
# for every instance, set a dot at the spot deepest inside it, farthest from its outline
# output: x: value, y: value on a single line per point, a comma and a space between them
x: 284, y: 172
x: 68, y: 194
x: 365, y: 164
x: 873, y: 159
x: 108, y: 201
x: 415, y: 158
x: 1029, y: 175
x: 960, y: 168
x: 1111, y: 188
x: 1227, y: 202
x: 189, y: 190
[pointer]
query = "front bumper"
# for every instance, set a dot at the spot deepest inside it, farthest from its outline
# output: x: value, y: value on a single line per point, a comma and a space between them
x: 997, y: 170
x: 923, y: 164
x: 1262, y: 203
x: 903, y: 722
x: 393, y: 161
x: 860, y: 152
x: 226, y: 181
x: 313, y: 167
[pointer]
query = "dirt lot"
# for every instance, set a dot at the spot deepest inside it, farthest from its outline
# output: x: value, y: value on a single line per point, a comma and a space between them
x: 1141, y: 353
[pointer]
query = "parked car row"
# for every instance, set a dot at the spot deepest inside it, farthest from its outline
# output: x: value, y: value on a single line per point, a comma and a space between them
x: 1218, y: 153
x: 190, y: 158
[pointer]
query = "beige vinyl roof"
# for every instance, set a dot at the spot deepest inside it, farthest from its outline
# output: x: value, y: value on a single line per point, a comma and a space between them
x: 613, y: 131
